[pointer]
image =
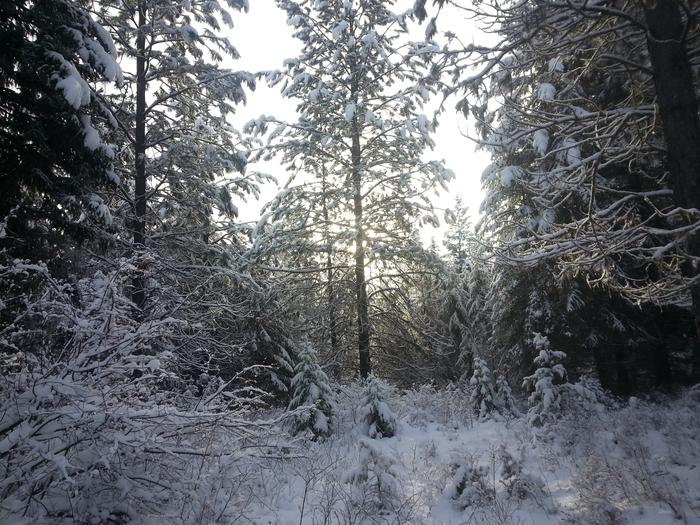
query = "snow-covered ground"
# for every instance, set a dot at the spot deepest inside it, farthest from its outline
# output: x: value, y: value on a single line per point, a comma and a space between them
x: 635, y: 462
x: 610, y: 462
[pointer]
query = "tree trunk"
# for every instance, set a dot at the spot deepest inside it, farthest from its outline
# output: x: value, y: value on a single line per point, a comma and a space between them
x: 139, y: 226
x: 678, y: 108
x: 360, y: 281
x: 332, y: 321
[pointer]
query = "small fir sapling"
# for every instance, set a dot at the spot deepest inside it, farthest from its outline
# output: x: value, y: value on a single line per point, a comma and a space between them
x: 377, y: 416
x: 517, y: 483
x: 376, y: 471
x: 469, y: 486
x: 482, y: 398
x: 311, y: 391
x: 545, y: 384
x: 504, y: 399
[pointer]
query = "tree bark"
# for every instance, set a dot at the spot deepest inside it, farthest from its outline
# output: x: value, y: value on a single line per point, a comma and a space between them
x: 678, y: 108
x: 360, y: 281
x: 138, y: 294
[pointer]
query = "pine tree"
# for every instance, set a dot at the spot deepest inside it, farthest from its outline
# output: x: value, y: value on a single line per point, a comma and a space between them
x: 182, y: 152
x: 377, y: 416
x: 311, y: 393
x: 360, y: 91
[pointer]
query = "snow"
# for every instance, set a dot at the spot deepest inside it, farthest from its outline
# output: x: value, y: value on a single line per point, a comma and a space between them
x: 515, y: 474
x: 74, y: 88
x: 105, y: 61
x: 189, y: 34
x: 92, y: 139
x: 349, y: 112
x: 540, y: 141
x: 340, y: 28
x: 570, y: 153
x: 509, y: 175
x: 100, y: 208
x: 555, y: 65
x: 423, y: 124
x: 430, y: 48
x: 633, y: 461
x: 370, y: 40
x: 546, y: 91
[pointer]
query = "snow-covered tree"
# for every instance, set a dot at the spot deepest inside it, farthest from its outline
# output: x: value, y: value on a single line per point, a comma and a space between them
x: 296, y: 236
x: 469, y: 486
x: 375, y: 474
x: 359, y: 83
x: 596, y: 139
x: 183, y: 166
x: 457, y: 237
x: 311, y: 394
x: 546, y: 384
x: 503, y: 397
x: 55, y: 161
x: 377, y: 417
x: 482, y: 396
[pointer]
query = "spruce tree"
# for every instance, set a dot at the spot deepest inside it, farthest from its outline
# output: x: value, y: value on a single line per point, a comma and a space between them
x: 482, y: 396
x: 54, y: 160
x: 375, y: 411
x: 569, y: 73
x: 312, y: 394
x: 546, y: 384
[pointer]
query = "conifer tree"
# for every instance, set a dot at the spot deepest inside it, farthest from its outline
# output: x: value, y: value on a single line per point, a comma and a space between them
x: 377, y: 415
x: 457, y: 236
x: 311, y: 391
x: 569, y: 73
x: 503, y: 397
x: 375, y: 472
x: 54, y: 161
x: 482, y: 397
x: 360, y: 93
x: 545, y: 384
x: 184, y: 164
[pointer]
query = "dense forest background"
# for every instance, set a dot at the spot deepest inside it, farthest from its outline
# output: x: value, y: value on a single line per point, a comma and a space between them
x: 143, y: 325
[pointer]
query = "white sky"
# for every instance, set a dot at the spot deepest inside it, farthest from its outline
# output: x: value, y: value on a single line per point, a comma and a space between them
x: 264, y: 40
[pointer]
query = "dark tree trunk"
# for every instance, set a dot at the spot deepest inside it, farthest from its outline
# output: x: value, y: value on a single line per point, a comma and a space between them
x: 678, y: 108
x: 139, y: 226
x: 360, y: 281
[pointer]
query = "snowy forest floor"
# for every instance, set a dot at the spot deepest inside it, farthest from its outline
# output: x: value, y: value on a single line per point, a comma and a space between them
x: 603, y: 462
x: 635, y: 462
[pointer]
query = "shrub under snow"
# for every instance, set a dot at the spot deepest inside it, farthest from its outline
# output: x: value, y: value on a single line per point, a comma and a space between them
x: 93, y: 427
x: 469, y: 486
x: 376, y: 475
